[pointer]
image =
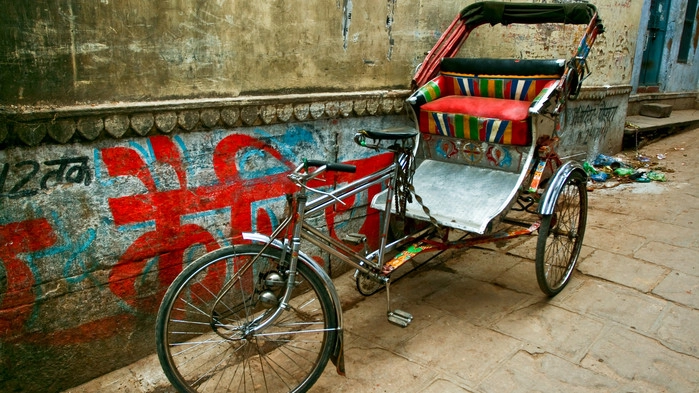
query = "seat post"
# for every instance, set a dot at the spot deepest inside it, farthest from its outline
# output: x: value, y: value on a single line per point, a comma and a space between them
x: 386, y: 222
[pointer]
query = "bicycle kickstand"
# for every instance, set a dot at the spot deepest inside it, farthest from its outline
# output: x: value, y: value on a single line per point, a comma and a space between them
x: 397, y: 317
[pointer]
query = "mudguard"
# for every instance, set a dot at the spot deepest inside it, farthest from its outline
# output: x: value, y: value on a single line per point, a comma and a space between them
x: 337, y: 356
x: 553, y: 190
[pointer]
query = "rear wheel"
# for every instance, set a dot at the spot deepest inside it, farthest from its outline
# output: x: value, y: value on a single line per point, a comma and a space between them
x: 561, y: 236
x: 207, y: 328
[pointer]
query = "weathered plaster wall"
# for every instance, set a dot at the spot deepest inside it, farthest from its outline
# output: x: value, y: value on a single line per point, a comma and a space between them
x: 640, y: 44
x: 594, y: 123
x: 74, y: 70
x: 135, y: 135
x: 72, y: 51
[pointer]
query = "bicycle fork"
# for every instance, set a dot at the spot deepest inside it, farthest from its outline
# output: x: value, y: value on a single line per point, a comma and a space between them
x: 283, y: 303
x: 279, y: 305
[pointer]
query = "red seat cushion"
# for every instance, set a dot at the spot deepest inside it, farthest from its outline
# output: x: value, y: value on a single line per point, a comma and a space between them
x: 485, y: 107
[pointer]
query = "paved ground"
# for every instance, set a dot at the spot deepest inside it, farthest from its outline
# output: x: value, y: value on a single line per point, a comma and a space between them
x: 627, y: 322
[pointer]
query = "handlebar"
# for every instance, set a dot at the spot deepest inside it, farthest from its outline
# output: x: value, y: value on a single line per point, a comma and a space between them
x: 302, y: 175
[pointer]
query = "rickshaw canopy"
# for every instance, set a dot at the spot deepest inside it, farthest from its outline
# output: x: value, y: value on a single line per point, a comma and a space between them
x: 494, y: 12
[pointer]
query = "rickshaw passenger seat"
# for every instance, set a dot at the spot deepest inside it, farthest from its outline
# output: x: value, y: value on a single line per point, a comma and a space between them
x: 484, y: 99
x: 476, y: 124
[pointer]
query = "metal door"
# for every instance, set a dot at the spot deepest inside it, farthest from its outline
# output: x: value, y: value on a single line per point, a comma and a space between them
x: 655, y: 43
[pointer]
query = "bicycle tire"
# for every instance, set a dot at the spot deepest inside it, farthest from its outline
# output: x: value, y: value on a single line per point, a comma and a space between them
x: 208, y: 346
x: 561, y: 236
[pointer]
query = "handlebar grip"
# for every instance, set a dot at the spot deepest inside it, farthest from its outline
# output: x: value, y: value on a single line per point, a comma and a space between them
x: 332, y: 166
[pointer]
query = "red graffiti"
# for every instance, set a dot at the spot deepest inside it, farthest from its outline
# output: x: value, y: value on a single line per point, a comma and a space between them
x: 170, y: 239
x: 99, y: 329
x: 370, y: 227
x: 152, y: 261
x: 17, y: 303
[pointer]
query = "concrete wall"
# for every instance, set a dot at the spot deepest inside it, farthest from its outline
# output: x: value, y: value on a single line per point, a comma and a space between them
x: 136, y: 135
x: 72, y: 51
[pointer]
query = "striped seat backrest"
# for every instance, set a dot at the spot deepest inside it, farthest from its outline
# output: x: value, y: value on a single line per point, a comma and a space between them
x: 496, y: 86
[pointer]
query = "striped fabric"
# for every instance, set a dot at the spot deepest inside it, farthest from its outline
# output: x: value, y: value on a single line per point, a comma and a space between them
x: 543, y: 96
x: 432, y: 90
x: 507, y: 87
x: 508, y: 132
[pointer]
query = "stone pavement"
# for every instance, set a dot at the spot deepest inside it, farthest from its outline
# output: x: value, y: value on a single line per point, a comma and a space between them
x: 627, y: 322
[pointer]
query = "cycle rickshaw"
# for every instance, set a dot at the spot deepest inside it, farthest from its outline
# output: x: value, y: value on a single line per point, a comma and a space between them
x: 264, y: 316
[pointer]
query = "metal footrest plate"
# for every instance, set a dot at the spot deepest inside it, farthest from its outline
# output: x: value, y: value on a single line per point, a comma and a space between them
x: 400, y: 318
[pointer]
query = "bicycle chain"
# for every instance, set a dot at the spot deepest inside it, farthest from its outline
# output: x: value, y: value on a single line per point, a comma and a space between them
x: 405, y: 191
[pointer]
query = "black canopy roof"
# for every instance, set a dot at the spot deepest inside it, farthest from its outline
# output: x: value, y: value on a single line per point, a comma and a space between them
x: 495, y: 12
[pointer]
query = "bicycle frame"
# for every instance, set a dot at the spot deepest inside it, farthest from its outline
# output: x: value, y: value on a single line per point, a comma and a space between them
x: 370, y: 263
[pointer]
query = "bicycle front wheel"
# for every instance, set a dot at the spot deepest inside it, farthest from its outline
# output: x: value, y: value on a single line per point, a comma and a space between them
x: 207, y: 331
x: 561, y: 236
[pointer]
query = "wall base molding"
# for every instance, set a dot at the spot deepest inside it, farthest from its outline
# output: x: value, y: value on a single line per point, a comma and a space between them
x: 32, y: 126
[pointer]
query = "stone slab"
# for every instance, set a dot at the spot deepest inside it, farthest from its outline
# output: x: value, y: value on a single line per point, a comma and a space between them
x: 676, y: 119
x: 521, y: 278
x: 369, y: 364
x: 480, y: 264
x: 626, y: 355
x: 614, y: 303
x: 614, y: 241
x: 626, y: 271
x: 681, y: 288
x: 668, y: 233
x: 543, y: 372
x: 677, y: 329
x: 553, y: 329
x: 674, y: 257
x: 443, y: 385
x: 478, y: 302
x: 474, y: 352
x: 655, y: 110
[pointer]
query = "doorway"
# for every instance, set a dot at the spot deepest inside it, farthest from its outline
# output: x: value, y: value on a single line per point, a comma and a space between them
x: 655, y: 43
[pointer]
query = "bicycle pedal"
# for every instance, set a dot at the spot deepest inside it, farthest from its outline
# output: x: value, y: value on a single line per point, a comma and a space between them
x: 400, y: 318
x: 354, y: 238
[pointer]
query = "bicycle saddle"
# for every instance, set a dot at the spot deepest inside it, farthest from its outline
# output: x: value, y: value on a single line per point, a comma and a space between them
x: 390, y: 133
